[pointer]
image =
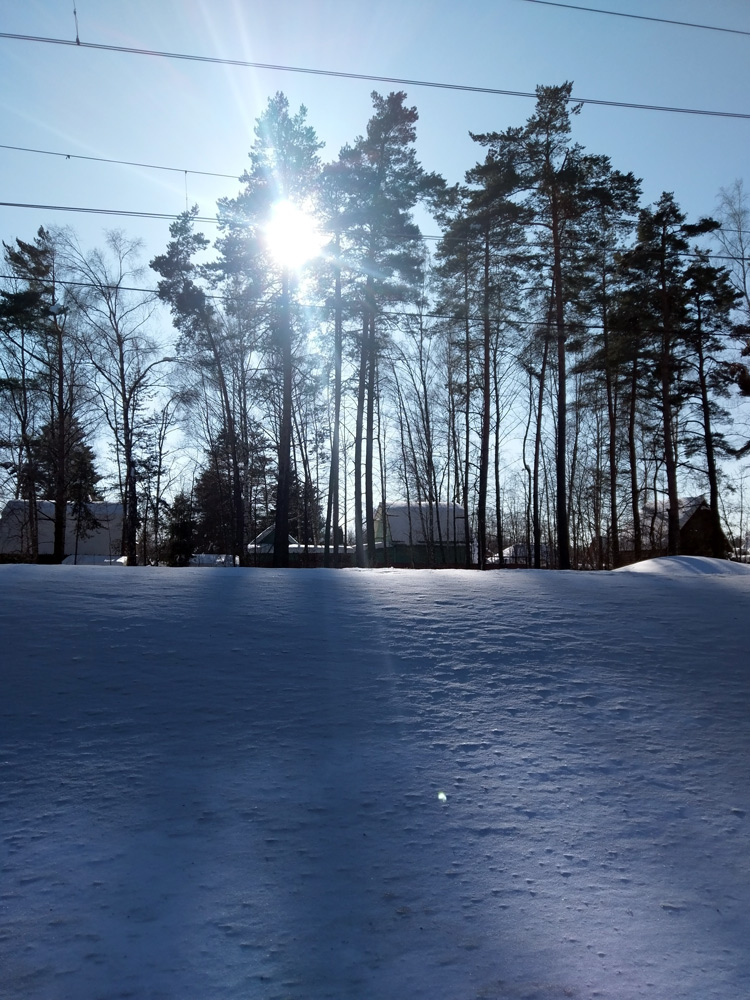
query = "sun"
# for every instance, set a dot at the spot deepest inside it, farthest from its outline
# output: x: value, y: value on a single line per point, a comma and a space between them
x: 292, y: 236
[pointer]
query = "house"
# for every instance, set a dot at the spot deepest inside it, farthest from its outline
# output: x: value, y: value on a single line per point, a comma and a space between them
x: 420, y: 535
x: 695, y: 531
x: 101, y: 536
x: 522, y: 555
x: 263, y: 543
x: 260, y: 551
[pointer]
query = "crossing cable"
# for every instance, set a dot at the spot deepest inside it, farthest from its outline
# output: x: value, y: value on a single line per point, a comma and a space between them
x: 476, y: 317
x: 123, y: 163
x: 171, y: 216
x: 187, y: 170
x: 640, y: 17
x: 508, y: 245
x: 339, y: 74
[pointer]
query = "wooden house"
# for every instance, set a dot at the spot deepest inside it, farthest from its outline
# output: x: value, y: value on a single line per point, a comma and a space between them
x: 695, y: 531
x: 420, y: 535
x: 98, y: 534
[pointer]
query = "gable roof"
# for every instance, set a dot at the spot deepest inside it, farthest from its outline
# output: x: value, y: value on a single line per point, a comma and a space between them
x: 103, y: 540
x: 654, y: 520
x: 267, y: 538
x: 690, y: 506
x: 418, y: 524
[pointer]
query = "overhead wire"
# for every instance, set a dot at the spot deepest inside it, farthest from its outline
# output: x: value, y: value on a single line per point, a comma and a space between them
x: 243, y: 63
x: 572, y: 325
x: 185, y: 171
x: 640, y: 17
x: 370, y: 77
x: 179, y: 170
x: 103, y: 211
x: 509, y: 245
x: 124, y: 163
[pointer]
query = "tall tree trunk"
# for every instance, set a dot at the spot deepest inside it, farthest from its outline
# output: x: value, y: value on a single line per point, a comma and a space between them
x: 467, y: 420
x: 383, y: 485
x: 131, y: 509
x: 484, y: 452
x: 718, y: 550
x: 33, y: 512
x: 635, y: 493
x: 370, y: 443
x: 238, y: 506
x: 571, y: 484
x: 609, y: 382
x: 333, y: 483
x: 130, y: 513
x: 454, y: 454
x: 308, y: 489
x: 358, y: 434
x: 536, y: 513
x: 673, y: 513
x: 563, y: 539
x: 528, y: 471
x: 27, y: 484
x: 498, y: 508
x: 61, y: 448
x: 281, y: 532
x: 161, y: 439
x: 665, y: 383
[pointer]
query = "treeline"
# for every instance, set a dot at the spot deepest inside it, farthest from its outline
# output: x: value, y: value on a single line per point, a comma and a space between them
x: 560, y: 364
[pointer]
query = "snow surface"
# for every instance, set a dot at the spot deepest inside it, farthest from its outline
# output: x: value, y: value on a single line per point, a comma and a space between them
x: 221, y: 785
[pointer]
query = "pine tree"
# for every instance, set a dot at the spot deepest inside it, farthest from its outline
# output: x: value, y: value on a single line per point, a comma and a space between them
x: 180, y: 531
x: 548, y: 172
x: 610, y: 220
x: 482, y: 243
x: 383, y: 181
x: 48, y: 362
x: 710, y: 301
x: 211, y: 347
x: 284, y: 169
x: 656, y: 271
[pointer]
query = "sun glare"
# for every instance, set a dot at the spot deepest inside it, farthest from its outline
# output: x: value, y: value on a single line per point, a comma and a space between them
x: 292, y: 235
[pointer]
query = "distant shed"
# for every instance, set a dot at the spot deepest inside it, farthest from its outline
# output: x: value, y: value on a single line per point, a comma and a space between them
x: 695, y: 531
x: 100, y: 534
x: 420, y: 535
x: 264, y: 543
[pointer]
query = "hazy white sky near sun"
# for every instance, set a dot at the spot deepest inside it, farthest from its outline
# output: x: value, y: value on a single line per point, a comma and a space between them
x: 200, y: 116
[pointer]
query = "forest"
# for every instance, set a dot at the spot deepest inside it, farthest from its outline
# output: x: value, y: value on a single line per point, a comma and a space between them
x: 560, y: 362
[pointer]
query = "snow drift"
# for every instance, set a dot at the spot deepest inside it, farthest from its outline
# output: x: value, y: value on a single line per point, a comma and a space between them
x: 320, y: 784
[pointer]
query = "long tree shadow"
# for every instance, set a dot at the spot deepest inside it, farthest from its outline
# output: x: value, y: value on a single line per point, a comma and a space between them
x: 232, y: 786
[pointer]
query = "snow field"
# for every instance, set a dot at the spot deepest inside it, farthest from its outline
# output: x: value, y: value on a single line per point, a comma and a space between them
x: 226, y: 784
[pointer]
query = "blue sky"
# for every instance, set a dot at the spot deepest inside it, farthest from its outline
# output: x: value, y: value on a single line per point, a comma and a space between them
x: 198, y: 116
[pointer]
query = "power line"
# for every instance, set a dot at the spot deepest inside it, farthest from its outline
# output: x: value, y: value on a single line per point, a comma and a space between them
x: 179, y: 170
x: 124, y: 163
x: 102, y: 211
x: 338, y: 74
x: 66, y: 282
x: 640, y: 17
x: 509, y: 245
x: 573, y: 325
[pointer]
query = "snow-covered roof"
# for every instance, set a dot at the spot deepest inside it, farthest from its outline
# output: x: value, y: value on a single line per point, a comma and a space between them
x: 414, y: 524
x: 101, y: 509
x: 264, y: 542
x: 95, y: 560
x: 521, y: 552
x: 103, y: 540
x: 655, y: 518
